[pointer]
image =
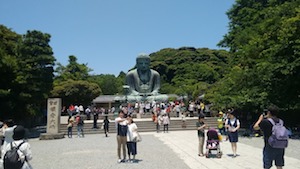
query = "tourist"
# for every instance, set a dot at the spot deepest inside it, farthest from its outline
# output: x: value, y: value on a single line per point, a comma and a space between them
x: 148, y: 107
x: 106, y: 125
x: 232, y: 124
x: 95, y: 118
x: 80, y: 123
x: 81, y: 109
x: 158, y: 121
x: 70, y: 126
x: 177, y: 109
x: 8, y: 131
x: 71, y: 110
x: 142, y: 108
x: 270, y: 154
x: 88, y: 113
x: 131, y: 143
x: 136, y: 107
x: 191, y: 109
x: 76, y: 109
x: 168, y: 110
x: 19, y: 140
x: 113, y: 109
x: 166, y: 122
x: 200, y: 128
x: 221, y: 123
x: 121, y: 125
x: 202, y: 106
x: 183, y: 119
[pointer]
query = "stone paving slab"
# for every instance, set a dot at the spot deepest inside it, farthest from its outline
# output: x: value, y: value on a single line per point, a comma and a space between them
x: 173, y: 150
x: 185, y: 143
x: 98, y: 152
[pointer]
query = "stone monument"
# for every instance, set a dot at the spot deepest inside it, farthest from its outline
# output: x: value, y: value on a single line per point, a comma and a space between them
x: 53, y: 120
x: 143, y: 82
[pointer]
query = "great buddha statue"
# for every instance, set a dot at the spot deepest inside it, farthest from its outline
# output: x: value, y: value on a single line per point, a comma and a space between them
x: 143, y: 82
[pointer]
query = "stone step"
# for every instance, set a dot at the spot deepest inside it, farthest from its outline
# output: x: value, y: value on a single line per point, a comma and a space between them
x: 144, y: 125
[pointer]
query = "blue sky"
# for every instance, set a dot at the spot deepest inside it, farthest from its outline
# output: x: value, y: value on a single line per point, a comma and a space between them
x: 109, y: 34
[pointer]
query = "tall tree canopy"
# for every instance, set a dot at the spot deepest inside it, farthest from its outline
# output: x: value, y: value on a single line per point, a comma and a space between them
x: 73, y: 70
x: 72, y: 83
x: 27, y: 63
x: 189, y: 71
x: 264, y: 39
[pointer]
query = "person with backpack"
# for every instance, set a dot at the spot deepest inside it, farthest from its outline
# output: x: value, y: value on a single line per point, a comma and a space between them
x: 8, y: 131
x: 79, y: 122
x: 271, y: 126
x: 17, y: 154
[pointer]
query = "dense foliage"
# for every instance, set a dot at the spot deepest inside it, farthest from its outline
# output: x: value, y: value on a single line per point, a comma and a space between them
x: 26, y: 67
x: 264, y: 40
x: 72, y: 84
x: 189, y: 71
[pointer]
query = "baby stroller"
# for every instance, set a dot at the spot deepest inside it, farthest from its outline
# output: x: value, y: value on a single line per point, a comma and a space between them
x: 213, y: 144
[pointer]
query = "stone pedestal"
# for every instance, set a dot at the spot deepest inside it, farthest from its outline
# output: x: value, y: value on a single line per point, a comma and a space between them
x: 53, y: 120
x: 138, y: 115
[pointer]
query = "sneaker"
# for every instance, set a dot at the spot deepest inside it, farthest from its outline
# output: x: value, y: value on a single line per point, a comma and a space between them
x: 119, y: 161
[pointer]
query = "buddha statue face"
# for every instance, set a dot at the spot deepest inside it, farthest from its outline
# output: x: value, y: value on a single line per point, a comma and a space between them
x: 143, y: 62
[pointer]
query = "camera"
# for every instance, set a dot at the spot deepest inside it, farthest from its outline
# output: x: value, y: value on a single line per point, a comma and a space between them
x: 265, y: 112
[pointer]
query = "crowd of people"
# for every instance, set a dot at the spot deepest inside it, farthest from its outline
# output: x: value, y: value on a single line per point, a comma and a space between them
x: 268, y: 122
x: 127, y: 131
x: 77, y: 115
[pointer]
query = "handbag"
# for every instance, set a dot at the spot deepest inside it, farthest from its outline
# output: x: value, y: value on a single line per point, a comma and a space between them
x: 136, y: 137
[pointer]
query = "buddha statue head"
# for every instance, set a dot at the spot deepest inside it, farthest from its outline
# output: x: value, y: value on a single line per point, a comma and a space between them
x: 143, y: 62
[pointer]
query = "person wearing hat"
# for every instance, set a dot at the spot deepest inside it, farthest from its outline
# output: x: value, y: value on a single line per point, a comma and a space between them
x: 232, y: 124
x: 221, y: 122
x: 24, y: 149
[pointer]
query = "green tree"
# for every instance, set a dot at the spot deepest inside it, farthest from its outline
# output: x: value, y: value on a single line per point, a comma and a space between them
x: 189, y: 71
x: 76, y: 92
x: 35, y: 71
x: 74, y: 85
x: 108, y: 83
x: 27, y: 73
x: 9, y: 41
x: 264, y: 39
x: 73, y: 70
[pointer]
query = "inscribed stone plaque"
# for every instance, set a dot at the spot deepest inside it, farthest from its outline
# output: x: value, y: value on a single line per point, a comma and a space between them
x: 53, y: 117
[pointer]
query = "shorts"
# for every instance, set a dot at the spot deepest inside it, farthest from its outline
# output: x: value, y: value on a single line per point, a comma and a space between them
x: 233, y: 137
x: 273, y: 154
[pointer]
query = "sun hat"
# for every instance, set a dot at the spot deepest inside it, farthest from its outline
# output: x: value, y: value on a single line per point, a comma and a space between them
x: 19, y: 133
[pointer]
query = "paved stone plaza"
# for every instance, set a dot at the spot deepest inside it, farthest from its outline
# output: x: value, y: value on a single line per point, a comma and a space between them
x: 174, y: 150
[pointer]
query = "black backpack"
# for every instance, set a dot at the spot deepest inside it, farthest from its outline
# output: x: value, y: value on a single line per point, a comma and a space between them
x: 11, y: 158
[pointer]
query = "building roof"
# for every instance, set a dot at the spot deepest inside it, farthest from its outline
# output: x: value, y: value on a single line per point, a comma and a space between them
x: 105, y: 99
